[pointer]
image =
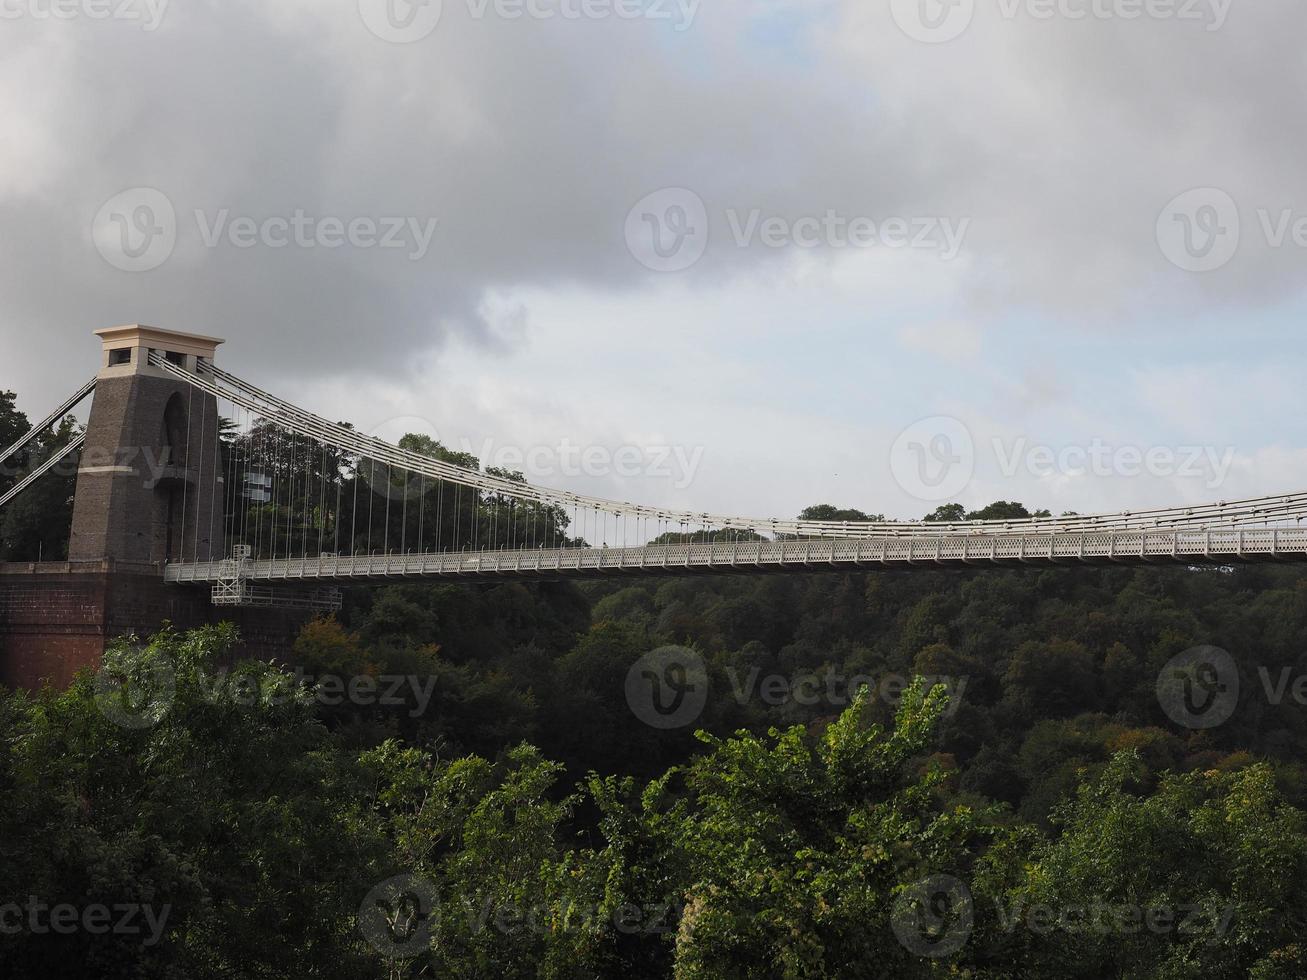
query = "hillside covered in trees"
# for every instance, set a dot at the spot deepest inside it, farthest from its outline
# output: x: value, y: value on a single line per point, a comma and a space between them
x: 465, y: 781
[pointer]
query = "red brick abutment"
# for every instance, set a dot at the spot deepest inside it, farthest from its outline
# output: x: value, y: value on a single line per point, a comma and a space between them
x: 58, y: 617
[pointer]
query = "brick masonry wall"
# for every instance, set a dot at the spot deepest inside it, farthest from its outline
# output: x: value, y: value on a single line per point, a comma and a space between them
x: 56, y: 618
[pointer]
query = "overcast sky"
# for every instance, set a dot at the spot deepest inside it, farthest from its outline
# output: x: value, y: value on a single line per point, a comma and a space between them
x: 882, y: 254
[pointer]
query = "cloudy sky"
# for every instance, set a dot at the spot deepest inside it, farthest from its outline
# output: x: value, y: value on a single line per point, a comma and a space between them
x: 881, y: 253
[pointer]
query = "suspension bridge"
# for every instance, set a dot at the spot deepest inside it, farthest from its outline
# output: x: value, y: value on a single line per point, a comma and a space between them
x: 209, y: 480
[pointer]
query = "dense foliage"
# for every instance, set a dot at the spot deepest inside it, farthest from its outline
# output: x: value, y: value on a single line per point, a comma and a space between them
x: 1045, y: 820
x: 35, y: 524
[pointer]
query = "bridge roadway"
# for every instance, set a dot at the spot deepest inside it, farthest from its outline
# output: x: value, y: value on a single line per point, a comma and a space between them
x: 1225, y: 546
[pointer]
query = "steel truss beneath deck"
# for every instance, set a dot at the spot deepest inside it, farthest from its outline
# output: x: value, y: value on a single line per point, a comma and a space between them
x: 232, y: 587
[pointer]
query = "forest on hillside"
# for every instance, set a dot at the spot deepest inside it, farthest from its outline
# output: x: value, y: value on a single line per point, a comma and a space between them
x: 487, y: 781
x: 1077, y: 772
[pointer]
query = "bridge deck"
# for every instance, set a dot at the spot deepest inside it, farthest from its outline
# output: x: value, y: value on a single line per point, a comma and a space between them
x: 1226, y: 546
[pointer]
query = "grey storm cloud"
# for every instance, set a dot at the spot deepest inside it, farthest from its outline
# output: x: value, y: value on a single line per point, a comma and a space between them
x: 527, y: 142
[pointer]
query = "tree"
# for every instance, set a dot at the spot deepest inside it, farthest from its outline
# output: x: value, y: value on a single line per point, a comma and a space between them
x: 829, y: 513
x: 13, y: 424
x: 212, y: 798
x: 947, y: 514
x: 1003, y: 510
x: 797, y: 850
x: 1054, y: 679
x: 37, y: 523
x: 1207, y: 876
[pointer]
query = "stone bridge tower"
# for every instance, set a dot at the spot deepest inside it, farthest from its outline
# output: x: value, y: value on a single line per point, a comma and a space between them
x: 149, y: 491
x: 149, y: 487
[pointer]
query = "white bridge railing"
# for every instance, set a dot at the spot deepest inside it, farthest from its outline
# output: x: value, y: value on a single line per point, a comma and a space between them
x: 1224, y: 546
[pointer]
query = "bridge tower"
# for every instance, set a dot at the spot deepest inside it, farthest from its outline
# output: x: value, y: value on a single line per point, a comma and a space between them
x: 149, y: 487
x: 149, y: 491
